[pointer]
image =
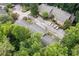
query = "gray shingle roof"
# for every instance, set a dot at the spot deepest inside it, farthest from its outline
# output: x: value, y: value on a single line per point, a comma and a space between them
x: 60, y: 15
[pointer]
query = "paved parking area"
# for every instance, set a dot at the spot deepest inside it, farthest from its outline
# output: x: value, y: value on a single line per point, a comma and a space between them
x: 35, y: 27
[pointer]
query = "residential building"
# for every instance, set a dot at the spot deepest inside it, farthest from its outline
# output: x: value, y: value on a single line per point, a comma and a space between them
x: 60, y: 16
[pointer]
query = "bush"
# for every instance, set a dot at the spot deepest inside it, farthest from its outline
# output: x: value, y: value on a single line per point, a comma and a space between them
x: 29, y: 20
x: 34, y: 9
x: 8, y: 7
x: 25, y: 18
x: 25, y: 8
x: 67, y: 23
x: 75, y: 50
x: 5, y: 18
x: 15, y: 16
x: 45, y: 15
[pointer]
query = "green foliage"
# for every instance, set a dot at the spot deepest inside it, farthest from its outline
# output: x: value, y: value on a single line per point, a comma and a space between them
x: 5, y: 28
x: 5, y: 18
x: 45, y: 15
x: 25, y: 18
x: 35, y: 43
x: 30, y: 42
x: 34, y: 9
x: 23, y: 51
x: 8, y: 7
x: 20, y: 41
x: 29, y: 20
x: 75, y: 51
x: 37, y: 54
x: 69, y: 7
x: 5, y: 47
x: 71, y: 37
x: 77, y: 16
x: 55, y: 50
x: 67, y: 23
x: 25, y: 7
x: 14, y: 16
x: 20, y: 32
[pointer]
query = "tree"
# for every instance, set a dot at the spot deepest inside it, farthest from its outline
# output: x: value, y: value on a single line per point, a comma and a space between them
x: 30, y: 46
x: 71, y: 38
x: 8, y: 7
x: 5, y: 47
x: 69, y: 7
x: 34, y: 9
x: 23, y: 51
x: 67, y: 24
x: 77, y: 16
x: 5, y: 18
x: 5, y: 28
x: 35, y: 47
x: 20, y: 32
x: 18, y: 40
x: 34, y: 43
x: 55, y: 50
x: 75, y: 50
x: 25, y: 7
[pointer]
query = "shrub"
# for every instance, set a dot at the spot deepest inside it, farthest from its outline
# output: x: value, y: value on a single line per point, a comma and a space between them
x: 25, y: 8
x: 15, y: 16
x: 5, y: 18
x: 34, y: 9
x: 8, y: 7
x: 25, y: 18
x: 29, y: 20
x: 45, y: 15
x: 75, y: 50
x: 67, y: 23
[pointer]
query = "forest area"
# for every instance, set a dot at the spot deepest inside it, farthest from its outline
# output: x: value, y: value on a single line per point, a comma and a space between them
x: 16, y: 40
